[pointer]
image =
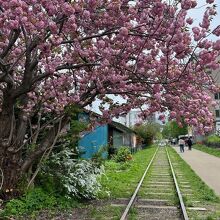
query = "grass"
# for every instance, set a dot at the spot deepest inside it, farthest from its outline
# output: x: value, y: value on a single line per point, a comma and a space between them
x: 34, y: 201
x: 121, y: 178
x: 209, y: 150
x: 213, y: 139
x: 202, y: 195
x: 120, y: 181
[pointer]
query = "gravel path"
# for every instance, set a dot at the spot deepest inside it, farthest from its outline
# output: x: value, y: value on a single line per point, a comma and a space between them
x: 206, y: 166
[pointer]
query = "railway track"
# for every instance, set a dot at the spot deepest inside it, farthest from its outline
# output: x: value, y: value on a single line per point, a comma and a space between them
x: 157, y: 195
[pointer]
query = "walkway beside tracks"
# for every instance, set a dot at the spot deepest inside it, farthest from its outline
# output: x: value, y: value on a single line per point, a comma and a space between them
x: 206, y: 166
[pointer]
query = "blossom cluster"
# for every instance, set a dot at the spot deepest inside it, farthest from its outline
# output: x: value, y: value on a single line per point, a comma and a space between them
x: 58, y: 52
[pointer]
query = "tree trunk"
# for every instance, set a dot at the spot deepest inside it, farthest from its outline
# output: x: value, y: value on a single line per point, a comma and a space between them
x: 11, y: 176
x: 9, y: 163
x: 15, y: 157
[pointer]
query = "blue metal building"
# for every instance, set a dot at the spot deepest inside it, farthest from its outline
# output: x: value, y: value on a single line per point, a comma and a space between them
x: 113, y: 134
x: 91, y: 142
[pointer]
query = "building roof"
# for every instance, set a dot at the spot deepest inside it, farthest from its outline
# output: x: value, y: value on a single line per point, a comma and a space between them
x: 113, y: 124
x: 121, y: 127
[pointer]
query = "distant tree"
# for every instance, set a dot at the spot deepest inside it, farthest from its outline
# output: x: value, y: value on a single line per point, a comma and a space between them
x: 147, y: 131
x: 173, y: 130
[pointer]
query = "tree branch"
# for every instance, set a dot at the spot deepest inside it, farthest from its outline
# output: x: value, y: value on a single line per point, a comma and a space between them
x: 12, y: 39
x: 76, y: 66
x: 48, y: 141
x: 45, y: 155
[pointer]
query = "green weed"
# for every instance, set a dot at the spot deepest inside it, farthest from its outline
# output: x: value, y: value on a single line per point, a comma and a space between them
x: 120, y: 179
x: 35, y: 200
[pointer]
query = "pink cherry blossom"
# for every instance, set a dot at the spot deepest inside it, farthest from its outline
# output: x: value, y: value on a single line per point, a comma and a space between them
x: 216, y: 45
x: 210, y: 1
x: 189, y: 20
x: 63, y: 53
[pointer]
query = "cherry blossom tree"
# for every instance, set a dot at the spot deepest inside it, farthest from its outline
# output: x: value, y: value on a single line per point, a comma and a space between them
x: 57, y: 53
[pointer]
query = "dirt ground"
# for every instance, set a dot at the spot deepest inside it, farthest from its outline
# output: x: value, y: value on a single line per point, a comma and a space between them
x: 83, y: 213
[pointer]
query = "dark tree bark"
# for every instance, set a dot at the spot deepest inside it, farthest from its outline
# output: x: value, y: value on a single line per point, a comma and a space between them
x: 15, y: 159
x: 9, y: 163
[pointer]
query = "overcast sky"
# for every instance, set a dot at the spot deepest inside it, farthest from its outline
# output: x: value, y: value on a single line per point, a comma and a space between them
x: 197, y: 13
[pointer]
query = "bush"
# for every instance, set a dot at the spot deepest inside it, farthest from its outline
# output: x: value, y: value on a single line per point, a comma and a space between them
x: 123, y: 154
x: 147, y: 132
x: 74, y: 178
x: 14, y: 207
x: 212, y: 141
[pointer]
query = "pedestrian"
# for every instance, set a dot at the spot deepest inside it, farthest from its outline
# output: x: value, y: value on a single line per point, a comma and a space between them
x: 181, y: 144
x: 189, y: 142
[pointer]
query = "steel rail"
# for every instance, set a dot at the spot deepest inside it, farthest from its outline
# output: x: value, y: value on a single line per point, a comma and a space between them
x: 182, y: 205
x: 125, y: 213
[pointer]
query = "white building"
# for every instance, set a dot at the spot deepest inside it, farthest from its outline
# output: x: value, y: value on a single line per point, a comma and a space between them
x: 133, y: 118
x: 216, y: 96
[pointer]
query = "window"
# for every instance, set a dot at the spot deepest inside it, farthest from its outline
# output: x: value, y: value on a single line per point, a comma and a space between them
x: 217, y: 113
x: 217, y: 95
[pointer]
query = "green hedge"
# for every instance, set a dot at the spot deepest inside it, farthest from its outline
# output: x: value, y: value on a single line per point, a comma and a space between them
x: 212, y: 141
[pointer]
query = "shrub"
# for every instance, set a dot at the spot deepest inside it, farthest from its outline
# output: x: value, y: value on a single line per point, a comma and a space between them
x: 212, y: 141
x: 147, y: 132
x: 14, y: 207
x: 74, y: 178
x: 123, y: 154
x: 98, y: 158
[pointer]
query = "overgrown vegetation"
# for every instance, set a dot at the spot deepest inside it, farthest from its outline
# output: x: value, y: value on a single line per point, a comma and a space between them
x: 148, y: 132
x: 99, y: 157
x: 209, y: 150
x: 61, y: 183
x: 123, y: 154
x: 73, y: 178
x: 71, y: 135
x: 212, y: 141
x: 36, y: 200
x: 120, y: 179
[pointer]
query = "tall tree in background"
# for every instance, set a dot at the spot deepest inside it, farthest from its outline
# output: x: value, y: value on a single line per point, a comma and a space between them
x: 173, y: 130
x: 54, y: 53
x: 147, y: 131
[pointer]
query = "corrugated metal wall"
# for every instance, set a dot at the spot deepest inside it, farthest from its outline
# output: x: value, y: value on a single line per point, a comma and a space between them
x: 93, y: 141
